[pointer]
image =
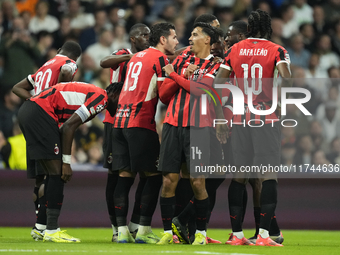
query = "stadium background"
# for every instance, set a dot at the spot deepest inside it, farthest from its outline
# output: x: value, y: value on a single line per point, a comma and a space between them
x: 310, y: 30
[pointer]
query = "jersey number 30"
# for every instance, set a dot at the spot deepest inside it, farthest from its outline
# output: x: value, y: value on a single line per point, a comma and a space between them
x: 134, y: 69
x: 42, y: 79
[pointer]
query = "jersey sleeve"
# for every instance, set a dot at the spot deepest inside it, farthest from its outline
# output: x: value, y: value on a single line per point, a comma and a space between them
x: 119, y: 52
x: 212, y: 71
x: 160, y: 63
x: 95, y: 102
x: 281, y: 56
x: 226, y: 64
x: 71, y: 65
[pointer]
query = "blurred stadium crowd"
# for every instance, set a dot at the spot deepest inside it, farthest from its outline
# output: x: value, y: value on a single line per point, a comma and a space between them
x: 31, y: 31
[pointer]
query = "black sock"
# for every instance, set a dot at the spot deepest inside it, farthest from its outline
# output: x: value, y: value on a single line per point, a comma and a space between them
x: 274, y: 227
x: 235, y: 197
x: 121, y: 199
x: 54, y: 192
x: 42, y: 217
x: 257, y: 211
x: 268, y: 203
x: 192, y: 226
x: 36, y: 201
x: 183, y: 195
x: 187, y: 213
x: 245, y: 201
x: 212, y: 185
x: 54, y: 200
x: 167, y: 211
x: 52, y: 218
x: 201, y: 208
x: 149, y: 199
x: 110, y: 189
x: 138, y: 196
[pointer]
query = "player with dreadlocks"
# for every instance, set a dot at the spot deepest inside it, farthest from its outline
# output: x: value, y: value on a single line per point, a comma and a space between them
x: 237, y: 31
x: 255, y: 57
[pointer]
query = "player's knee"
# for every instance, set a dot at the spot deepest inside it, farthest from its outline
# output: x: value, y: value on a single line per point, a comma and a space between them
x: 197, y: 184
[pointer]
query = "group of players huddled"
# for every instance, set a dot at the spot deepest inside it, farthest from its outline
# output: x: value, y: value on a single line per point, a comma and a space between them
x: 150, y: 71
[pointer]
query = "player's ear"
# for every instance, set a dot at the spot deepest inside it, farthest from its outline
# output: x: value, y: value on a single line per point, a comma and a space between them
x: 133, y: 39
x: 162, y: 40
x: 207, y: 40
x: 58, y: 51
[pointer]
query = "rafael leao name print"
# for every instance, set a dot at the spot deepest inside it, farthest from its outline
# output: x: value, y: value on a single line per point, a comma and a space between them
x: 253, y: 52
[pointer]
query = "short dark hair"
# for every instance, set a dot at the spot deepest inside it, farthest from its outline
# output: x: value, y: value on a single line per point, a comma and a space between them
x: 205, y: 18
x: 239, y: 26
x: 158, y: 30
x: 210, y: 31
x: 134, y: 29
x: 72, y: 49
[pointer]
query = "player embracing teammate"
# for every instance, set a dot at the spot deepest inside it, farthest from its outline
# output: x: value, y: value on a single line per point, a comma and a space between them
x: 256, y: 145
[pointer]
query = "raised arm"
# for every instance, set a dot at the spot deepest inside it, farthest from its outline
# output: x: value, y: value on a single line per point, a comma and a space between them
x: 167, y: 90
x: 113, y: 61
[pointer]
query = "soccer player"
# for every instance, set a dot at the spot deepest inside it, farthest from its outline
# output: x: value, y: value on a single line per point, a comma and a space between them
x: 181, y: 118
x: 237, y: 32
x: 187, y: 215
x: 260, y: 145
x: 70, y: 103
x: 117, y: 62
x: 61, y: 68
x: 134, y: 138
x: 184, y: 190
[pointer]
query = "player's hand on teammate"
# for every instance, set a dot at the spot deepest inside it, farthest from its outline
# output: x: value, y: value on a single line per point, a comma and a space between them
x: 222, y: 133
x: 66, y: 172
x: 168, y: 69
x: 217, y: 60
x: 190, y: 70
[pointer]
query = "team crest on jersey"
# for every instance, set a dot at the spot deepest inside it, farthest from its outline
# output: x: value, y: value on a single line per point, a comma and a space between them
x: 99, y: 108
x: 92, y: 110
x: 56, y: 149
x: 109, y: 158
x: 287, y: 57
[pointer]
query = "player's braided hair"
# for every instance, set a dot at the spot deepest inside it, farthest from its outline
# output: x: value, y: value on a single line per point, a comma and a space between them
x: 209, y: 30
x: 259, y: 22
x: 115, y: 88
x: 158, y: 30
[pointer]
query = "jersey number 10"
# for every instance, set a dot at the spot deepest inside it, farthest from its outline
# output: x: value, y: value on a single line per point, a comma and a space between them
x: 258, y: 90
x: 134, y: 69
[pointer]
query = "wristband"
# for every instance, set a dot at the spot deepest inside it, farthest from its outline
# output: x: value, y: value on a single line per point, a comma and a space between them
x: 67, y: 159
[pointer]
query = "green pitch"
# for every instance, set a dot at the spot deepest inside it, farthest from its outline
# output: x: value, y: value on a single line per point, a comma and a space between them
x: 98, y: 241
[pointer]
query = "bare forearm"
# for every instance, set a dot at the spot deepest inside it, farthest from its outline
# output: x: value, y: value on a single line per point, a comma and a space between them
x: 114, y: 60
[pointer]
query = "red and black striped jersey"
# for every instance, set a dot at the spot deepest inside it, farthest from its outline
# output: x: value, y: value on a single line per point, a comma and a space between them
x: 117, y: 75
x: 254, y: 62
x: 63, y: 99
x: 48, y: 74
x: 185, y: 106
x: 138, y: 98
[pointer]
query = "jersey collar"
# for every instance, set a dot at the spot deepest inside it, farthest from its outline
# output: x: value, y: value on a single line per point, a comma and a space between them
x: 253, y: 38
